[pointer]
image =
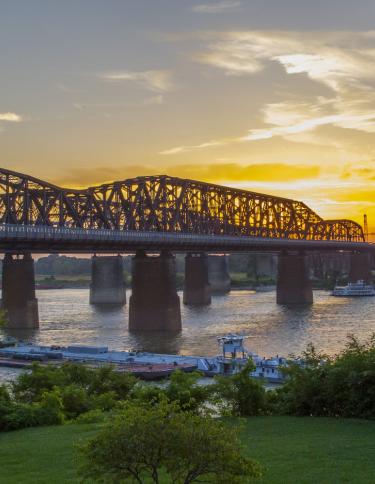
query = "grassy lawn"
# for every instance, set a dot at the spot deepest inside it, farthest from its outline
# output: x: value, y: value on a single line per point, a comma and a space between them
x: 42, y: 455
x: 293, y: 450
x: 305, y: 450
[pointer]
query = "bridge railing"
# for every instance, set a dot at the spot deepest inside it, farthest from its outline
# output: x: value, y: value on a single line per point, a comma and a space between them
x: 12, y: 237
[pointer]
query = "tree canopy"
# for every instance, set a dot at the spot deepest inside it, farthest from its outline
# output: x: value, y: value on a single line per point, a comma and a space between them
x: 154, y: 442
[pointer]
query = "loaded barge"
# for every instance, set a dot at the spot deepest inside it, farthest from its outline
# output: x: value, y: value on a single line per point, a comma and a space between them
x: 149, y: 366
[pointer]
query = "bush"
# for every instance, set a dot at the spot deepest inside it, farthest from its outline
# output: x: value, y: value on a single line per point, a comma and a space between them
x: 51, y: 395
x: 30, y: 386
x: 240, y: 394
x: 75, y: 400
x: 181, y: 388
x: 92, y: 416
x: 339, y: 387
x: 49, y: 411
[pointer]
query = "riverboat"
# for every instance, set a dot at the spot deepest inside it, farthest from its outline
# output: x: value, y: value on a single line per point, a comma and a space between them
x: 234, y: 357
x: 354, y: 289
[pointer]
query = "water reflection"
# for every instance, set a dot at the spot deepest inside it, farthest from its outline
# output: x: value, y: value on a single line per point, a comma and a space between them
x: 67, y: 318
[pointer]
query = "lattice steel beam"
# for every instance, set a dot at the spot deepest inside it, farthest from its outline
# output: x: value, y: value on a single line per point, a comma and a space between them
x: 165, y: 204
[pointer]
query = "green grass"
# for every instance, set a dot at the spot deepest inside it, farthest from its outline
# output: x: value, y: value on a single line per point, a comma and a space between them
x: 293, y: 451
x: 42, y: 455
x: 301, y: 450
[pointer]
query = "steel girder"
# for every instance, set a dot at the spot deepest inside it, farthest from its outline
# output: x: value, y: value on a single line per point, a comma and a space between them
x: 165, y: 204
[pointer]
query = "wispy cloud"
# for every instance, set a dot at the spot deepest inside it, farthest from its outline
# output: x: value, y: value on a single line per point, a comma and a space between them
x: 154, y: 80
x: 217, y: 7
x: 67, y: 89
x: 333, y: 58
x: 10, y: 117
x: 185, y: 149
x: 295, y: 119
x: 148, y: 101
x: 343, y: 62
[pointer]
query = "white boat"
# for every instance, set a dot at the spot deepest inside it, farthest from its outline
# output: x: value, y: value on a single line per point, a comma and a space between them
x: 235, y: 356
x: 354, y: 289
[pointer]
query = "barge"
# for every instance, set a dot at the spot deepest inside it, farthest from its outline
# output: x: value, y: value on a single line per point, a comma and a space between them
x: 150, y: 366
x: 147, y: 366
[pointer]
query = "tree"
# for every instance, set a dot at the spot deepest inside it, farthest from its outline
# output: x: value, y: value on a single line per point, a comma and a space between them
x: 240, y: 394
x: 162, y: 442
x: 181, y: 388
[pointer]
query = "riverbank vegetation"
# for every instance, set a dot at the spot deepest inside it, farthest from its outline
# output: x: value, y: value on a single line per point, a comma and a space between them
x: 343, y: 386
x: 49, y: 395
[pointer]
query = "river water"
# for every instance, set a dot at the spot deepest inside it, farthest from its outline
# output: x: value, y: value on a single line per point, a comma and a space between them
x: 67, y: 318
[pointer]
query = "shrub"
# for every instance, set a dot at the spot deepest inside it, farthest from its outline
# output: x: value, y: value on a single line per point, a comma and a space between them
x: 182, y: 388
x: 75, y: 400
x: 92, y: 416
x: 240, y: 394
x: 343, y: 386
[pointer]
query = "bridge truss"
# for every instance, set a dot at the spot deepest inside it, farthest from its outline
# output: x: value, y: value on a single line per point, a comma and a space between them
x: 165, y: 204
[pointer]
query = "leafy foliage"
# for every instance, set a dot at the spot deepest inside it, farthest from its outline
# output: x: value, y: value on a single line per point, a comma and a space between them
x: 343, y: 386
x: 181, y: 388
x: 48, y: 395
x: 94, y: 382
x: 240, y: 394
x: 48, y: 411
x: 146, y: 442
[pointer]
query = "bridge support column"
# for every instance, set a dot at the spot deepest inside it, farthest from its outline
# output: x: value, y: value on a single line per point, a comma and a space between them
x: 154, y: 304
x: 218, y: 274
x: 107, y: 280
x: 360, y: 267
x: 197, y: 291
x: 293, y: 283
x: 18, y: 292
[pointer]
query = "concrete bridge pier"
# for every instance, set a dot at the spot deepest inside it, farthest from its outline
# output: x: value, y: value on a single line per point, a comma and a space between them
x: 154, y: 304
x: 107, y: 280
x: 360, y: 267
x: 197, y: 291
x: 293, y: 282
x: 18, y: 292
x: 218, y: 274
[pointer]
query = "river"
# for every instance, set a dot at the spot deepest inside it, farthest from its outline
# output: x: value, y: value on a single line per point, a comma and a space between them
x: 67, y: 318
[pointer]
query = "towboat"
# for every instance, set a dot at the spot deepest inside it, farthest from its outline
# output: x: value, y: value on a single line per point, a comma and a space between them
x: 354, y: 289
x: 234, y: 357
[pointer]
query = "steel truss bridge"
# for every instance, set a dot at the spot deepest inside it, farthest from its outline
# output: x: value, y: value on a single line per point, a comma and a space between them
x: 160, y: 212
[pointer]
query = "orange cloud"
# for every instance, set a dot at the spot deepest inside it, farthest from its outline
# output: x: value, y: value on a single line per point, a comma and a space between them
x: 216, y: 173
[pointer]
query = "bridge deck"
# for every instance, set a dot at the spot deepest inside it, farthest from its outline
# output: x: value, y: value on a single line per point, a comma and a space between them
x: 42, y: 239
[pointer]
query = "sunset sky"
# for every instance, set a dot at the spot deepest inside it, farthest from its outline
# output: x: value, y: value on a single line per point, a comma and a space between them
x: 276, y: 96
